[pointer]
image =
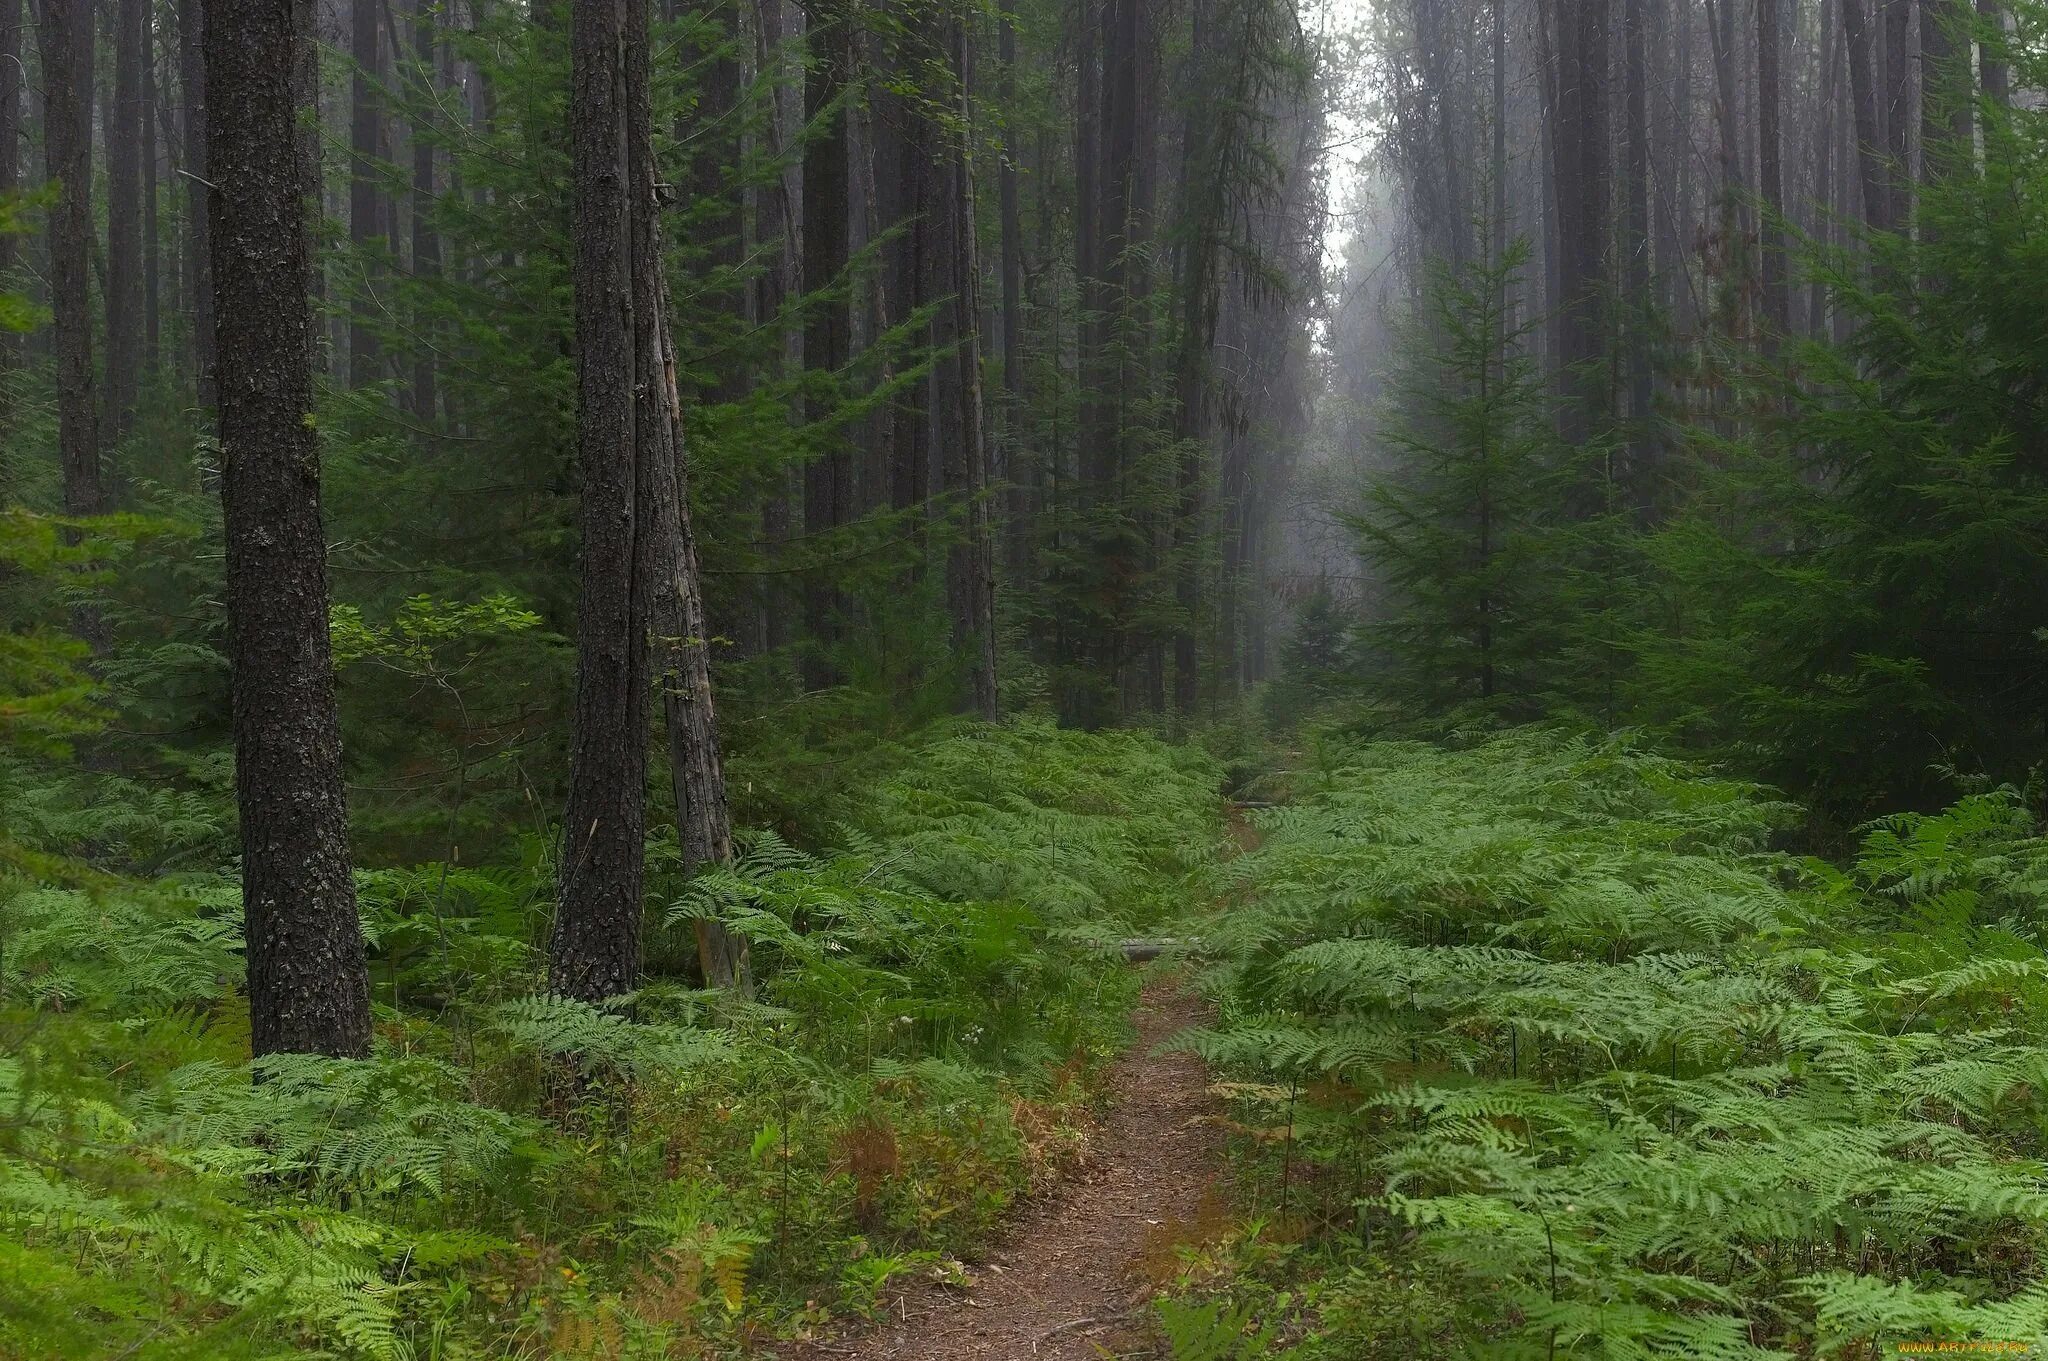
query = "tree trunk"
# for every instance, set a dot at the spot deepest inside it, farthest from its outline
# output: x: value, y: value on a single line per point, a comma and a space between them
x: 1777, y: 304
x: 11, y: 82
x: 308, y: 988
x: 1637, y: 267
x: 970, y: 556
x: 66, y: 41
x: 366, y: 209
x: 1017, y: 461
x: 152, y: 246
x: 1863, y: 94
x: 1993, y: 70
x: 122, y: 288
x: 1898, y: 125
x: 665, y: 547
x: 426, y: 243
x: 594, y: 952
x: 1947, y: 121
x: 827, y: 330
x: 1584, y: 206
x: 198, y: 251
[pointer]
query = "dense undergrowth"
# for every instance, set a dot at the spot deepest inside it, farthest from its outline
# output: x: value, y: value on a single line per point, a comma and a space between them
x: 1539, y: 1050
x: 933, y: 995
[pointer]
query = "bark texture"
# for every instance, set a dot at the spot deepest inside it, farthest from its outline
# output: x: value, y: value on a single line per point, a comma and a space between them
x: 308, y: 990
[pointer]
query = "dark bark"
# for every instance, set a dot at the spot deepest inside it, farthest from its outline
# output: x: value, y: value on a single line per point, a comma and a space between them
x: 308, y: 989
x: 1777, y: 302
x: 970, y: 556
x: 1947, y: 118
x: 1994, y: 71
x: 366, y: 206
x: 1018, y: 464
x: 828, y: 337
x: 594, y: 951
x: 66, y: 42
x: 1584, y: 208
x: 665, y: 545
x: 198, y: 251
x: 122, y: 290
x: 11, y: 82
x: 1863, y: 95
x: 1898, y: 119
x: 426, y: 242
x: 1636, y: 262
x: 152, y: 248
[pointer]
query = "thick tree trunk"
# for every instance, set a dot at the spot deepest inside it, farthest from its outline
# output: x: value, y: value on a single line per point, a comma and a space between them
x: 152, y: 246
x: 1637, y: 269
x: 198, y: 251
x: 1585, y: 211
x: 970, y: 557
x: 308, y: 988
x: 366, y: 208
x: 1898, y: 121
x: 1863, y: 94
x: 827, y: 331
x: 1992, y: 68
x: 1947, y: 115
x: 122, y: 289
x: 594, y: 952
x: 66, y: 42
x: 1777, y: 302
x: 11, y: 72
x: 426, y: 242
x: 1018, y: 463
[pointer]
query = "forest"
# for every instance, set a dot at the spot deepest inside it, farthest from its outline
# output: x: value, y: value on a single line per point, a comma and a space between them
x: 1211, y: 680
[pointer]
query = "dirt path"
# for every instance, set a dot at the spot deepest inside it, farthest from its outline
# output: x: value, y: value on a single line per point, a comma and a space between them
x: 1071, y: 1279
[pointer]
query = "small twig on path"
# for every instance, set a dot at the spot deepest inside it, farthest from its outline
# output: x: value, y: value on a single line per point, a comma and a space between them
x: 1097, y: 1320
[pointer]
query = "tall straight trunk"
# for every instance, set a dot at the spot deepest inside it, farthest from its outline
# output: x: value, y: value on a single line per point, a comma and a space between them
x: 198, y: 252
x: 713, y: 137
x: 122, y: 288
x: 1947, y: 122
x: 1637, y: 266
x: 970, y: 556
x: 11, y: 82
x: 665, y: 544
x: 1553, y: 168
x: 1993, y: 71
x: 1721, y: 31
x: 1898, y: 119
x: 1828, y: 202
x: 426, y: 242
x: 914, y: 203
x: 1685, y: 313
x: 1777, y: 302
x: 66, y: 43
x: 594, y: 952
x: 828, y: 336
x: 1863, y: 95
x: 152, y: 244
x: 778, y: 217
x: 308, y: 987
x: 1018, y: 464
x: 366, y: 208
x: 1585, y: 209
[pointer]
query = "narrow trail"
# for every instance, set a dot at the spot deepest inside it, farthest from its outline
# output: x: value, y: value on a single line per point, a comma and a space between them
x: 1070, y: 1279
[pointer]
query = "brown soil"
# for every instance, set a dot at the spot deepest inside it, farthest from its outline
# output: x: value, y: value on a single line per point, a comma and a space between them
x: 1071, y: 1280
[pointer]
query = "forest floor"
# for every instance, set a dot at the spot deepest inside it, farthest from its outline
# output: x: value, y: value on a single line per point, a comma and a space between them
x: 1072, y: 1277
